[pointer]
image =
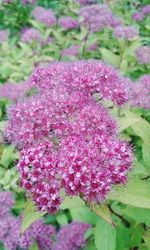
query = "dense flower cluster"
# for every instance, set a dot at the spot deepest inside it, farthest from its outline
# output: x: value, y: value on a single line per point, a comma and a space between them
x: 3, y: 35
x: 126, y: 32
x: 68, y: 140
x: 143, y: 54
x: 10, y: 229
x: 30, y: 35
x: 96, y: 17
x: 15, y: 91
x: 73, y: 50
x: 140, y: 15
x: 141, y: 92
x: 146, y: 9
x: 44, y: 16
x: 71, y: 237
x: 68, y: 23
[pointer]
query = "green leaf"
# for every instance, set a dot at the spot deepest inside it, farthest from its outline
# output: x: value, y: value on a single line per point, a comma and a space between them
x: 105, y: 236
x: 109, y: 57
x: 70, y: 202
x: 34, y: 246
x: 136, y: 193
x: 8, y: 156
x: 128, y: 120
x: 30, y: 215
x: 139, y: 215
x: 142, y: 129
x: 83, y: 214
x: 146, y: 154
x: 62, y: 219
x: 103, y: 211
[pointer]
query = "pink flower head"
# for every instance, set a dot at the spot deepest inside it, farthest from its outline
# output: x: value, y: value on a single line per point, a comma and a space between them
x: 141, y: 92
x: 14, y: 91
x: 71, y: 236
x: 4, y: 34
x: 138, y: 16
x: 44, y: 16
x: 68, y: 23
x: 97, y: 16
x: 30, y: 35
x: 6, y: 202
x: 143, y: 54
x: 10, y: 229
x: 92, y: 46
x: 127, y: 32
x: 146, y: 9
x: 71, y: 51
x: 67, y: 140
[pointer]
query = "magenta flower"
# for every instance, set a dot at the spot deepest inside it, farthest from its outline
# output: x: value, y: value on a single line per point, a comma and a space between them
x: 67, y: 140
x: 30, y: 35
x: 97, y: 16
x: 68, y: 23
x: 138, y: 16
x: 44, y: 16
x: 126, y: 32
x: 141, y: 92
x: 4, y: 34
x: 14, y: 91
x: 92, y: 46
x: 71, y: 237
x: 73, y: 50
x: 143, y: 54
x: 146, y: 9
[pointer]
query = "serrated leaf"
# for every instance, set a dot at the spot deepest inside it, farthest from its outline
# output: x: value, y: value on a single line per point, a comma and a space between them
x: 105, y: 236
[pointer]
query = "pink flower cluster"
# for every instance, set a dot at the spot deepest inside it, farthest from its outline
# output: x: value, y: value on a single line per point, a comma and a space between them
x: 143, y: 54
x: 97, y: 16
x: 44, y: 16
x: 140, y: 15
x: 10, y: 229
x: 4, y: 34
x: 69, y: 141
x: 68, y: 23
x: 73, y: 50
x: 30, y: 35
x: 126, y: 32
x: 141, y: 92
x: 71, y: 237
x: 146, y: 9
x: 15, y: 91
